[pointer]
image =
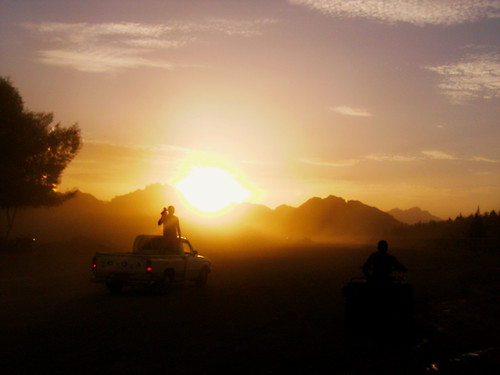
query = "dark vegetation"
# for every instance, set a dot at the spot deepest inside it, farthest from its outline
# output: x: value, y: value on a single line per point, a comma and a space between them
x: 476, y: 232
x: 33, y: 155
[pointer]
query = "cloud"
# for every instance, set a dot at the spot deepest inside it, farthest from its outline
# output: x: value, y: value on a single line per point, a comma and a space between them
x: 384, y: 157
x: 86, y: 32
x: 438, y: 155
x: 100, y: 60
x: 483, y: 159
x: 390, y: 157
x: 138, y: 146
x: 318, y: 162
x: 151, y: 43
x: 261, y: 162
x: 474, y: 77
x: 420, y: 13
x: 117, y: 46
x: 234, y: 27
x: 348, y: 111
x: 103, y: 161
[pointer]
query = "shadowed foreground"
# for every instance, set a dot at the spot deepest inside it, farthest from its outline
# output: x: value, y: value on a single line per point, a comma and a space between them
x: 276, y: 311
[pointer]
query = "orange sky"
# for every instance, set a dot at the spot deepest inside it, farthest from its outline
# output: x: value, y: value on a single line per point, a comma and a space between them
x: 393, y: 103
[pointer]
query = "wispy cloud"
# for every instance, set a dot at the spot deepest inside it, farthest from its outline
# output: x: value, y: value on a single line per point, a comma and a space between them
x: 106, y: 161
x: 483, y: 159
x: 438, y: 155
x: 151, y: 43
x: 385, y: 157
x: 261, y: 162
x: 349, y: 111
x: 390, y: 157
x: 118, y: 46
x: 474, y: 77
x: 138, y: 146
x: 100, y: 60
x: 321, y: 163
x: 421, y: 13
x: 234, y: 27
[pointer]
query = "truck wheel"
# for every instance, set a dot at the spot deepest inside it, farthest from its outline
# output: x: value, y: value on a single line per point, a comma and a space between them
x: 201, y: 281
x: 163, y: 285
x: 114, y: 286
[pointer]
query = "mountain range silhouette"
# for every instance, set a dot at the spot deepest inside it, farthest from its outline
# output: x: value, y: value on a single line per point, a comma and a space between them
x: 330, y: 219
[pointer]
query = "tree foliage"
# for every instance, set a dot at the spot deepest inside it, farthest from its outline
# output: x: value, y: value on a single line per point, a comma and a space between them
x: 33, y: 154
x: 474, y: 232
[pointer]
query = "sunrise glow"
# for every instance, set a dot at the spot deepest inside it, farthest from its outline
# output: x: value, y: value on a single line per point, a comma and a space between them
x: 304, y: 98
x: 211, y: 189
x: 228, y: 169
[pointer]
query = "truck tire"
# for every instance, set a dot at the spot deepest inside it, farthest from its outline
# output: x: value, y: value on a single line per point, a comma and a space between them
x: 201, y: 280
x: 163, y: 285
x: 114, y: 286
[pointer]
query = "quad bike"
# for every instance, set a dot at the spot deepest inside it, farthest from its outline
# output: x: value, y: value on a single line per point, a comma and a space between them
x: 375, y: 305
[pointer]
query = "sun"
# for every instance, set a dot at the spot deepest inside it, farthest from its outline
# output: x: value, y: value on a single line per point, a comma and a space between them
x: 211, y: 189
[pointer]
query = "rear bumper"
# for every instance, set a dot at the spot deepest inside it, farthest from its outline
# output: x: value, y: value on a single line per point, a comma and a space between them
x: 126, y: 279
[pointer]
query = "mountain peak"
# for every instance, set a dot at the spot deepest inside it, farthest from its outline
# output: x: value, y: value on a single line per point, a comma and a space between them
x: 413, y: 215
x: 150, y: 199
x: 329, y: 201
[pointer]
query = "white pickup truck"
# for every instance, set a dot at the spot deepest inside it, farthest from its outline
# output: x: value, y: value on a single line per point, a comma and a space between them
x: 155, y: 261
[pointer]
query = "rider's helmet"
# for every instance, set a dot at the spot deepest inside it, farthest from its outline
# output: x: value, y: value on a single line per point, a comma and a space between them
x: 382, y: 246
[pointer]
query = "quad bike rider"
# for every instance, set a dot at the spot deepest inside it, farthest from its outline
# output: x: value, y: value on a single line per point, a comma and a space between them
x: 380, y: 300
x: 380, y: 265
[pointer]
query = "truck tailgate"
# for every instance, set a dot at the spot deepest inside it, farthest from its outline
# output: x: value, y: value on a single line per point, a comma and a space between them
x: 120, y: 263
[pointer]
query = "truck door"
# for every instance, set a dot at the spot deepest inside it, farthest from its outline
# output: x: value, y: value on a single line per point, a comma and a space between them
x: 180, y: 268
x: 192, y: 266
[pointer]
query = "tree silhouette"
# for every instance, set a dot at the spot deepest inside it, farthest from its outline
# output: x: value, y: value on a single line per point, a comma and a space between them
x: 33, y: 155
x: 477, y: 232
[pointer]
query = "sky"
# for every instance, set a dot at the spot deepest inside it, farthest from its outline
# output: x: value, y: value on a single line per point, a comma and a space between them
x: 394, y: 103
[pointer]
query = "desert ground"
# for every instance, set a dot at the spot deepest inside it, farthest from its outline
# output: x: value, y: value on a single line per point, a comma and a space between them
x: 266, y: 309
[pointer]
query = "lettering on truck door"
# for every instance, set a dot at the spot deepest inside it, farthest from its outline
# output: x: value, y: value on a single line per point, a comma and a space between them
x: 180, y: 270
x: 192, y: 268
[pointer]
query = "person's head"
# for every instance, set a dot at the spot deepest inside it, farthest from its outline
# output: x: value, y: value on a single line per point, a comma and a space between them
x: 382, y: 246
x: 171, y: 210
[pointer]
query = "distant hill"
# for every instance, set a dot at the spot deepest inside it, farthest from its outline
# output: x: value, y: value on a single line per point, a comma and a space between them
x: 83, y: 202
x: 331, y: 219
x: 413, y: 215
x: 335, y: 219
x: 321, y: 219
x: 149, y: 200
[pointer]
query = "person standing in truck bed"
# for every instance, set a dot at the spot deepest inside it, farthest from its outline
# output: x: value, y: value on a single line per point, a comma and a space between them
x: 171, y: 227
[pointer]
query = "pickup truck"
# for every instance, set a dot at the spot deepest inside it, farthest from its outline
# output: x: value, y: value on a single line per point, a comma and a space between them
x: 156, y: 261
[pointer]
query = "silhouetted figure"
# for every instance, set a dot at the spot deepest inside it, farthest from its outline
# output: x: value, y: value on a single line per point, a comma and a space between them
x: 380, y: 265
x: 171, y: 227
x: 379, y: 304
